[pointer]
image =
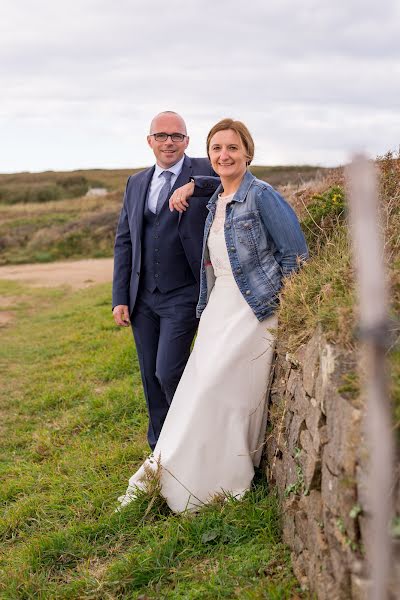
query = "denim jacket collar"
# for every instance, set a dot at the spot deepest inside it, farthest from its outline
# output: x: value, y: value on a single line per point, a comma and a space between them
x: 240, y: 194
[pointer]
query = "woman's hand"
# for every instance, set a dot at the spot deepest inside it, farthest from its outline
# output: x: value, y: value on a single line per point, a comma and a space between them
x: 178, y: 200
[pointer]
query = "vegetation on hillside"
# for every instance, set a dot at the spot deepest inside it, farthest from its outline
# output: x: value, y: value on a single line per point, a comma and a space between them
x: 25, y: 188
x: 65, y: 229
x: 46, y: 216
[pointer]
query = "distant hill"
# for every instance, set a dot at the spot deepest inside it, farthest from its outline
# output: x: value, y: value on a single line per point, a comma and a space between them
x: 48, y: 216
x: 57, y: 185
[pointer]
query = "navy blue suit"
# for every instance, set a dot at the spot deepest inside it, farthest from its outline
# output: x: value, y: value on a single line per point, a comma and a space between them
x: 156, y: 273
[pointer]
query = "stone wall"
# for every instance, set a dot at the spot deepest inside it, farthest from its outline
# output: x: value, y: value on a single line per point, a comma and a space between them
x: 315, y: 455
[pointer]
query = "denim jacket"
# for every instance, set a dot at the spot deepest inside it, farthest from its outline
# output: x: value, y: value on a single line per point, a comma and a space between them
x: 264, y: 242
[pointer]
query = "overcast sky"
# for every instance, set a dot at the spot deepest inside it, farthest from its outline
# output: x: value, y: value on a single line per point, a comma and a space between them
x: 80, y: 80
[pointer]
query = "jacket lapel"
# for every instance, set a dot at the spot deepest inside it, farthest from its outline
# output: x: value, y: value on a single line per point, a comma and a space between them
x: 141, y: 198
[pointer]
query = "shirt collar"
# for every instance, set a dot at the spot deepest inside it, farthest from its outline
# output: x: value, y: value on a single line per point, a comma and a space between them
x: 175, y: 169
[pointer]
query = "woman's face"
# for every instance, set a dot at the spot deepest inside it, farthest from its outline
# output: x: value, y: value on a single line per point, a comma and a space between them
x: 227, y: 154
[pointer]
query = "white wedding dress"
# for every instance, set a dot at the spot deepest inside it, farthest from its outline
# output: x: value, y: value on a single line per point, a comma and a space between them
x: 213, y: 434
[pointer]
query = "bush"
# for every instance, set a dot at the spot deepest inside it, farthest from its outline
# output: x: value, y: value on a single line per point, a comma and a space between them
x: 73, y: 186
x: 22, y: 195
x: 324, y: 213
x: 389, y: 167
x: 45, y: 194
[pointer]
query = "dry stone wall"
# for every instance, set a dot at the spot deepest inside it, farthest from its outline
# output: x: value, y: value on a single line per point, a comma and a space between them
x: 316, y: 457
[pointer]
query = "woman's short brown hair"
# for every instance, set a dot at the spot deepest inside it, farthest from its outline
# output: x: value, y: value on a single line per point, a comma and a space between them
x: 242, y: 131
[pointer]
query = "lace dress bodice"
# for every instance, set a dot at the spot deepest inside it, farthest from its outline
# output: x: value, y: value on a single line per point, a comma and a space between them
x: 216, y: 239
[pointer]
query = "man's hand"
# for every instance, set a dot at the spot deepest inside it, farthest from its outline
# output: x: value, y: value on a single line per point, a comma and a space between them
x: 178, y: 200
x: 121, y: 315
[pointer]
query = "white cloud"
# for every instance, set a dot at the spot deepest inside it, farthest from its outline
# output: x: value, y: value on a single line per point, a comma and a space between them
x: 312, y: 79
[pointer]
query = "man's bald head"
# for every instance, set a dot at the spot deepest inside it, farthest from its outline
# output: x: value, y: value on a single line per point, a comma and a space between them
x: 170, y: 117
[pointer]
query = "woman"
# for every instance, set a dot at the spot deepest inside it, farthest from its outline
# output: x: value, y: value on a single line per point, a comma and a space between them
x: 212, y: 436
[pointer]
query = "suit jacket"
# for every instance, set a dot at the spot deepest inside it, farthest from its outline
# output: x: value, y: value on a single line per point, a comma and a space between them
x: 127, y: 247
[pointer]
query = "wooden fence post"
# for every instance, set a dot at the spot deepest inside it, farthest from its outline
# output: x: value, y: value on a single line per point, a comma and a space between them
x: 368, y: 260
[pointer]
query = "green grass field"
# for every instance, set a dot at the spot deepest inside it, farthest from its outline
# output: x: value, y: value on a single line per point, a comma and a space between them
x: 72, y: 430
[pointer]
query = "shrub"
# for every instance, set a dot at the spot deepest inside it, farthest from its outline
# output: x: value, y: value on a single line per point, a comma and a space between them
x: 22, y: 195
x: 389, y: 167
x: 73, y: 186
x: 323, y: 214
x: 45, y: 194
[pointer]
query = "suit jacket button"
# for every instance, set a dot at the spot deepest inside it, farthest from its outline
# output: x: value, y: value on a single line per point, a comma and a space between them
x: 248, y: 292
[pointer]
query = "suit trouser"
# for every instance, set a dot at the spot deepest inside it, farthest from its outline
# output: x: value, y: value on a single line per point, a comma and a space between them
x: 164, y: 325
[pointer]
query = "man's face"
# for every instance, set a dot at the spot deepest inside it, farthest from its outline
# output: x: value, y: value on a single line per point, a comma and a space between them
x: 168, y: 153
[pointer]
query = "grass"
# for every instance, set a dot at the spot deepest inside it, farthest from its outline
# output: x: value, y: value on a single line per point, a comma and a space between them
x: 72, y: 431
x: 322, y: 293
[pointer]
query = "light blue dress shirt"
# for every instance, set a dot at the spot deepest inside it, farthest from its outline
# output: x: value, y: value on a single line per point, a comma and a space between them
x: 158, y: 181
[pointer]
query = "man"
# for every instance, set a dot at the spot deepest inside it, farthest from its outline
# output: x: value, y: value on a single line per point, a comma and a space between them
x: 157, y: 258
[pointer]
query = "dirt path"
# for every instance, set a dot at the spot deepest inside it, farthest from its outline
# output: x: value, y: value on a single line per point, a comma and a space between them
x: 77, y: 274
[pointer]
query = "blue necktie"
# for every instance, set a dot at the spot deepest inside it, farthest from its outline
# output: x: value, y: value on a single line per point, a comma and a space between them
x: 163, y: 195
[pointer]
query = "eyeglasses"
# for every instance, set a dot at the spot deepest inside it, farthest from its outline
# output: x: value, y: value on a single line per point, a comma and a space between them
x: 162, y: 137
